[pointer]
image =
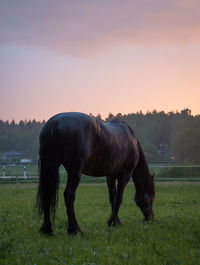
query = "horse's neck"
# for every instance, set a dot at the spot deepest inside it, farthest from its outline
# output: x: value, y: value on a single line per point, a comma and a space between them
x: 141, y: 174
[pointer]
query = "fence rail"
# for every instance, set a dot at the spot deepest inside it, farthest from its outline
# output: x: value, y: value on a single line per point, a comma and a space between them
x: 29, y: 174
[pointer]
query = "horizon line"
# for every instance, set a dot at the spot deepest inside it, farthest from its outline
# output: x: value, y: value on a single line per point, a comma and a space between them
x: 154, y: 111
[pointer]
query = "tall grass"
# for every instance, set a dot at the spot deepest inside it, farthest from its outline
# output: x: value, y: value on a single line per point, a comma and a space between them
x: 172, y: 238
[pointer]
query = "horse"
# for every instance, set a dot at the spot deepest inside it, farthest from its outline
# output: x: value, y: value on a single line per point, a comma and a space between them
x: 83, y: 144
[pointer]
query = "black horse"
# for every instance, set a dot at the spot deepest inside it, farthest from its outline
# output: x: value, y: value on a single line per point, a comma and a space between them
x: 83, y: 144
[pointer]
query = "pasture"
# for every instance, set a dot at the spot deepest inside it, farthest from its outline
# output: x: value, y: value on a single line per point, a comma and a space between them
x: 172, y: 238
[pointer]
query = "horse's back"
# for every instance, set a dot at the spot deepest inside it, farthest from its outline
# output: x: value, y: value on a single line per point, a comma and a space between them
x: 99, y: 148
x: 72, y: 133
x: 116, y: 150
x: 71, y: 123
x: 71, y: 120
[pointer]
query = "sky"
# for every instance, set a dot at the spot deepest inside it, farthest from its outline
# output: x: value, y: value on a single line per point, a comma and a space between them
x: 98, y: 56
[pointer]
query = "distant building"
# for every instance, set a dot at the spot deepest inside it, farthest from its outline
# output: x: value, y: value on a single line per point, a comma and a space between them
x: 25, y: 161
x: 11, y: 157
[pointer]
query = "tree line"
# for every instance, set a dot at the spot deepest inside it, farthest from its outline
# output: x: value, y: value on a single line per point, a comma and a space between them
x: 172, y: 137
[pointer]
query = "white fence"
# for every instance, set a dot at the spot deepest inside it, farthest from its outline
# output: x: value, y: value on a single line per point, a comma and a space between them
x: 16, y: 174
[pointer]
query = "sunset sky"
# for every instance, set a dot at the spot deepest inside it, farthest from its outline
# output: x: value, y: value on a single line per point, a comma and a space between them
x: 98, y: 56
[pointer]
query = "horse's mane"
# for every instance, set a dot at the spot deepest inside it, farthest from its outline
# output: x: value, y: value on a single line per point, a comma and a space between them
x: 142, y: 165
x: 149, y: 184
x: 125, y: 123
x: 142, y: 169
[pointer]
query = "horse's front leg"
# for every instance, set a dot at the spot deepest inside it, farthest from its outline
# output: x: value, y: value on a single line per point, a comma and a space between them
x: 114, y: 219
x: 111, y: 183
x: 69, y: 195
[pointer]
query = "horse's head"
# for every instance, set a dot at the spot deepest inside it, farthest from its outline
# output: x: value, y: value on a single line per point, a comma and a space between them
x: 144, y: 197
x: 145, y: 203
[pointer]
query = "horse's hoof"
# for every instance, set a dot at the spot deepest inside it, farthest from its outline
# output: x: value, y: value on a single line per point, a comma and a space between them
x: 74, y: 230
x: 47, y: 231
x: 118, y: 222
x: 114, y: 221
x: 109, y: 222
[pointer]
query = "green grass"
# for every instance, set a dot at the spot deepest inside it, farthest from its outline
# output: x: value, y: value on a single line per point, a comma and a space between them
x: 173, y: 238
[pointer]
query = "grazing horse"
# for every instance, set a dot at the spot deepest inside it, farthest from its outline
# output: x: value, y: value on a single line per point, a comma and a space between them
x: 83, y: 144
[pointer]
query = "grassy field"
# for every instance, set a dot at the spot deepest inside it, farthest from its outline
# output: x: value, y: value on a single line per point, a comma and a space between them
x: 173, y: 238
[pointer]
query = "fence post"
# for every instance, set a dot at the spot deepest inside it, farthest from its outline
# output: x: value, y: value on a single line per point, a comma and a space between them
x: 25, y: 172
x: 4, y: 170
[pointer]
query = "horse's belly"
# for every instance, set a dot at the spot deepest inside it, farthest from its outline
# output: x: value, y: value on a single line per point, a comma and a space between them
x: 96, y: 170
x: 101, y: 167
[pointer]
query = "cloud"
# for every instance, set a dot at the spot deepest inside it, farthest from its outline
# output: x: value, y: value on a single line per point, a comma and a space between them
x: 87, y: 27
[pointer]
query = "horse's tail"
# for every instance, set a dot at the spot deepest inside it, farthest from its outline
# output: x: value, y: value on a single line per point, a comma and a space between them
x: 48, y: 165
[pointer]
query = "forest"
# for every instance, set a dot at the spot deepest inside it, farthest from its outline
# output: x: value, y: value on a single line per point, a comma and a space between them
x: 172, y: 137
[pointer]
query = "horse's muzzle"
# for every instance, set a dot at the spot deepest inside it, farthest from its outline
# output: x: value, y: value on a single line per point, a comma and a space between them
x: 148, y: 215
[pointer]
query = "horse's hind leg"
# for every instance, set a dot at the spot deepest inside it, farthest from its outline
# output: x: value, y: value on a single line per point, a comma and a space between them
x: 111, y: 183
x: 47, y: 226
x: 74, y: 177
